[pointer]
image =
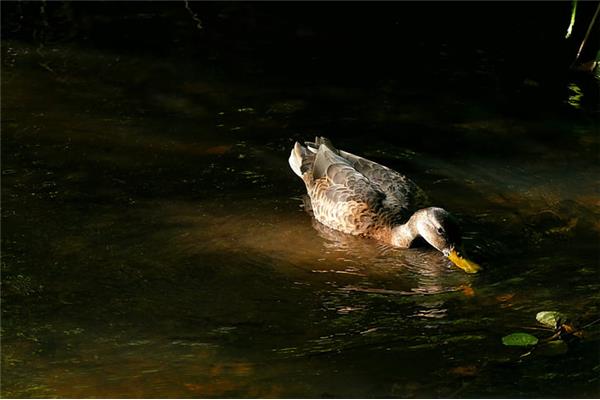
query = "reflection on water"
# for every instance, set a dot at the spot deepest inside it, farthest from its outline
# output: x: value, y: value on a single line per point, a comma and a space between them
x: 155, y: 245
x: 575, y: 96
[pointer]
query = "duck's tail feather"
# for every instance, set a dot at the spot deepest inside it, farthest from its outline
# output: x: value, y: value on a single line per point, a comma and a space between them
x: 300, y: 159
x: 309, y: 159
x: 314, y: 146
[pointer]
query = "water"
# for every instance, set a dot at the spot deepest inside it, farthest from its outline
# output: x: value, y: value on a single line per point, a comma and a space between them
x: 154, y: 242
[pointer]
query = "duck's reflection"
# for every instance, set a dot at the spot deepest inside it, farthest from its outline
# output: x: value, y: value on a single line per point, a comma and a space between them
x: 296, y: 244
x: 389, y: 270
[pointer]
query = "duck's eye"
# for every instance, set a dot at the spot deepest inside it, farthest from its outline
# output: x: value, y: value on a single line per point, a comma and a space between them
x: 440, y: 231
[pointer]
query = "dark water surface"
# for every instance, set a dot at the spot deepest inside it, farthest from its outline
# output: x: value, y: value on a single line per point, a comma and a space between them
x: 154, y: 242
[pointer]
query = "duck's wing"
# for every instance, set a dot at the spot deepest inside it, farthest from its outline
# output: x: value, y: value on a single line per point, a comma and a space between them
x: 343, y: 182
x: 342, y: 197
x: 400, y: 193
x: 397, y: 187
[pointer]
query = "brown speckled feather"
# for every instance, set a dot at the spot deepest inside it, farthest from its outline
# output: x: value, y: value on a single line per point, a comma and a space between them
x: 355, y: 195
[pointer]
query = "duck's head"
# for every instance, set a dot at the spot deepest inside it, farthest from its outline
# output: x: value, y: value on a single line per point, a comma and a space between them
x: 438, y: 228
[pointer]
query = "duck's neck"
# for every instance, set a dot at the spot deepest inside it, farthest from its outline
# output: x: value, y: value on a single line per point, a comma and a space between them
x: 403, y: 235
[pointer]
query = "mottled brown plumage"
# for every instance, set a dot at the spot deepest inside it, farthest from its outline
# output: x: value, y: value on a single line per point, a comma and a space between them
x: 355, y: 195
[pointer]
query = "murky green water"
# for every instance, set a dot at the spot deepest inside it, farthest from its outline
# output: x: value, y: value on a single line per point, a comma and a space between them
x: 154, y: 243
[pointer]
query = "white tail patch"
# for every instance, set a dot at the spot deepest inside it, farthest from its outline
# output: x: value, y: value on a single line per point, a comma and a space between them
x: 295, y: 159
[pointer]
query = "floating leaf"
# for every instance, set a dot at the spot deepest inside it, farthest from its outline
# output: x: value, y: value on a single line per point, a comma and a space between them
x: 519, y: 339
x: 569, y: 329
x: 549, y: 318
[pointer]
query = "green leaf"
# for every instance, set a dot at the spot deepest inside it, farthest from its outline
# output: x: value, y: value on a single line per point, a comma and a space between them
x: 549, y: 318
x: 519, y: 339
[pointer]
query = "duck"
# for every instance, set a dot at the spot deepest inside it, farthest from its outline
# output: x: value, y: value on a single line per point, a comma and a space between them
x: 357, y: 196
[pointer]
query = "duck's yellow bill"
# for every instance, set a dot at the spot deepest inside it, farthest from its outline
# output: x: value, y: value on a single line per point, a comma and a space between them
x: 462, y: 263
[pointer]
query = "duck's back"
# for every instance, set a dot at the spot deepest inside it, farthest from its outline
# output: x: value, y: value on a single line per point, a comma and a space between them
x: 352, y: 194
